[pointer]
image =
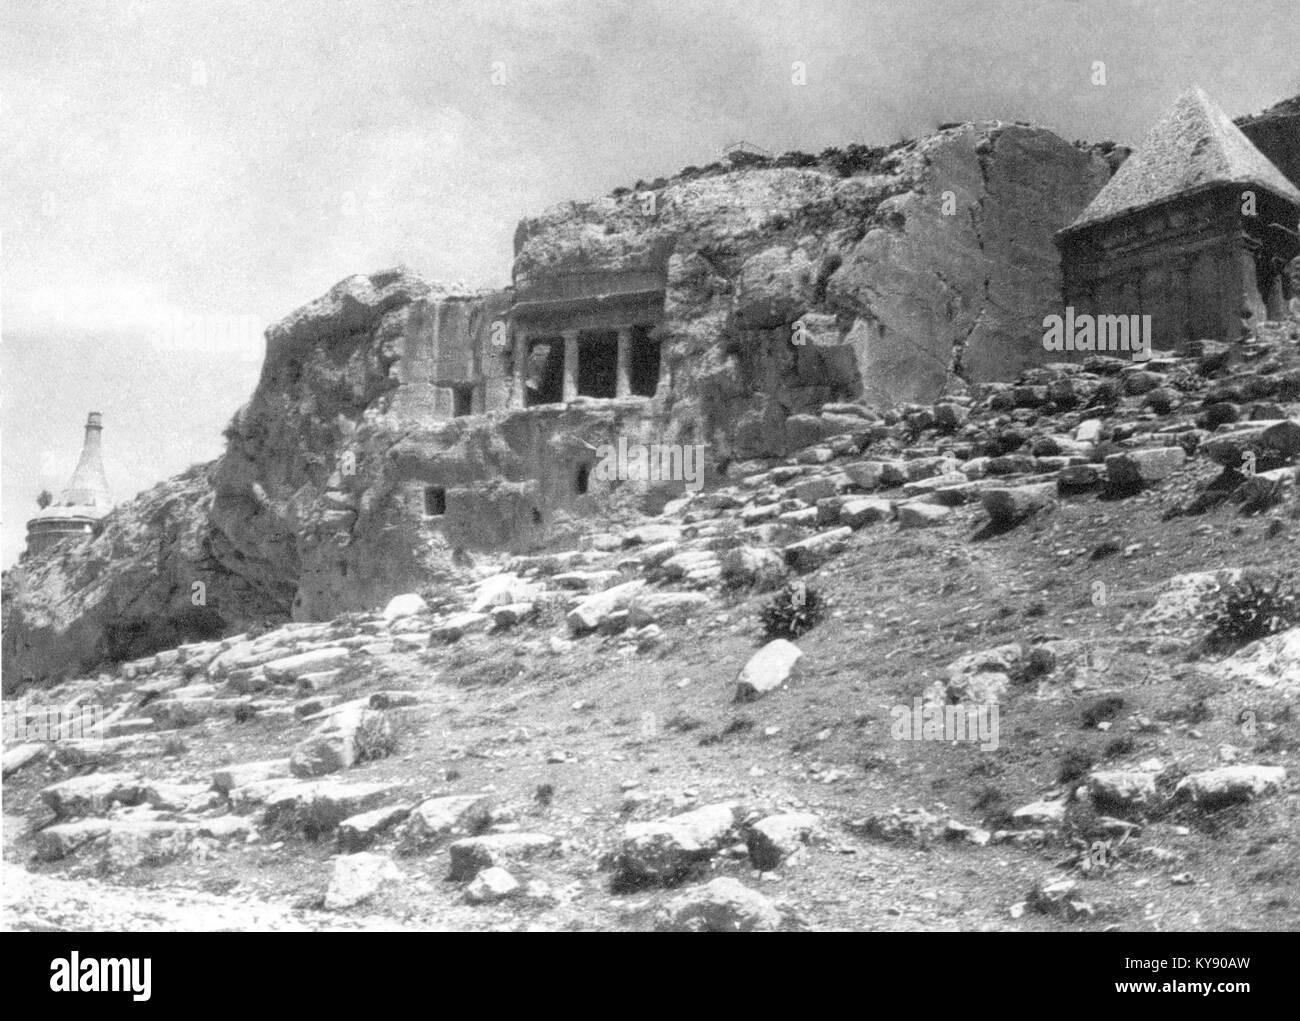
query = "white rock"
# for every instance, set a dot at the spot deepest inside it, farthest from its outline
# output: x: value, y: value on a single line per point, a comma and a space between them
x: 492, y: 884
x: 596, y: 607
x: 1230, y: 784
x: 291, y: 667
x: 1126, y: 788
x: 774, y: 839
x: 358, y: 877
x: 769, y: 668
x: 406, y: 605
x: 498, y: 590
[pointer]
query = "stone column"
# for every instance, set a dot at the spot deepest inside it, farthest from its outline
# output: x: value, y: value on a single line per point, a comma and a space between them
x: 1252, y: 300
x: 518, y: 391
x: 570, y: 365
x: 624, y: 385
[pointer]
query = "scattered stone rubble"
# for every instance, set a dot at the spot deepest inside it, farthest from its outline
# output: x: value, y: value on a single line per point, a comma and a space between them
x: 1224, y: 421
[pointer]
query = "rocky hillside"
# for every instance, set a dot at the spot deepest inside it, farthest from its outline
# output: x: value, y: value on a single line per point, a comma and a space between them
x: 910, y: 272
x: 131, y: 590
x: 608, y: 737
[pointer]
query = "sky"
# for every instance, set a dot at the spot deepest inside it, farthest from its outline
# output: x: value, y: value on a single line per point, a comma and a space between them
x: 233, y: 160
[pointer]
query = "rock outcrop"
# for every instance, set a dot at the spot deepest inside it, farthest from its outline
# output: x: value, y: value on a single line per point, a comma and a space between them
x: 382, y: 450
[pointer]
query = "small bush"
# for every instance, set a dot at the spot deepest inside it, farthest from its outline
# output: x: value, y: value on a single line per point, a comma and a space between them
x: 375, y: 737
x: 854, y: 158
x: 995, y: 806
x: 793, y: 611
x: 796, y: 159
x: 1099, y: 710
x: 1253, y: 608
x: 1075, y: 764
x: 739, y: 725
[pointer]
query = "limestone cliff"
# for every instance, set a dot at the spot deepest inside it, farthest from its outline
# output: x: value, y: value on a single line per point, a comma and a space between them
x: 935, y: 264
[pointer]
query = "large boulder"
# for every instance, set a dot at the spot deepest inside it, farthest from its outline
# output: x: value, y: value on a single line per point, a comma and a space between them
x: 357, y: 878
x: 666, y: 851
x: 775, y: 838
x: 1228, y: 785
x: 721, y: 905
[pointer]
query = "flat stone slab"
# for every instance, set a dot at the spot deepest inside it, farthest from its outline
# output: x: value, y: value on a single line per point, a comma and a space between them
x: 93, y: 794
x: 857, y: 512
x: 1228, y: 785
x: 455, y: 626
x: 357, y: 878
x: 60, y: 840
x: 1009, y: 505
x: 21, y: 755
x: 922, y: 515
x: 1136, y: 468
x: 809, y: 553
x: 591, y: 611
x: 474, y: 854
x: 1122, y: 788
x: 227, y: 778
x: 437, y: 819
x: 318, y: 807
x: 665, y: 851
x: 358, y: 832
x: 131, y: 842
x: 292, y: 667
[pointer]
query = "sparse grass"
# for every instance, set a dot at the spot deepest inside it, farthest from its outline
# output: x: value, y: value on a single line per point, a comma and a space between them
x: 683, y: 722
x: 1192, y: 713
x: 472, y: 668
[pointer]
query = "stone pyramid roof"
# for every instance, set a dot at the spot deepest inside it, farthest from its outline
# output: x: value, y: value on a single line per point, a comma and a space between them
x: 1193, y: 146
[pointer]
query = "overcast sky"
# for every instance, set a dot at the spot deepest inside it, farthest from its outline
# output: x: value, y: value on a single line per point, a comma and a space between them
x: 237, y: 159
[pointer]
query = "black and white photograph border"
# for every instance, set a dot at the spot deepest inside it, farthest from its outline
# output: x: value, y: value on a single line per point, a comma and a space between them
x: 651, y: 466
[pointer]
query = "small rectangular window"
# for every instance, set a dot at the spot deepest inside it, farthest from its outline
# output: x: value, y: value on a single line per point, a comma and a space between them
x: 435, y: 501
